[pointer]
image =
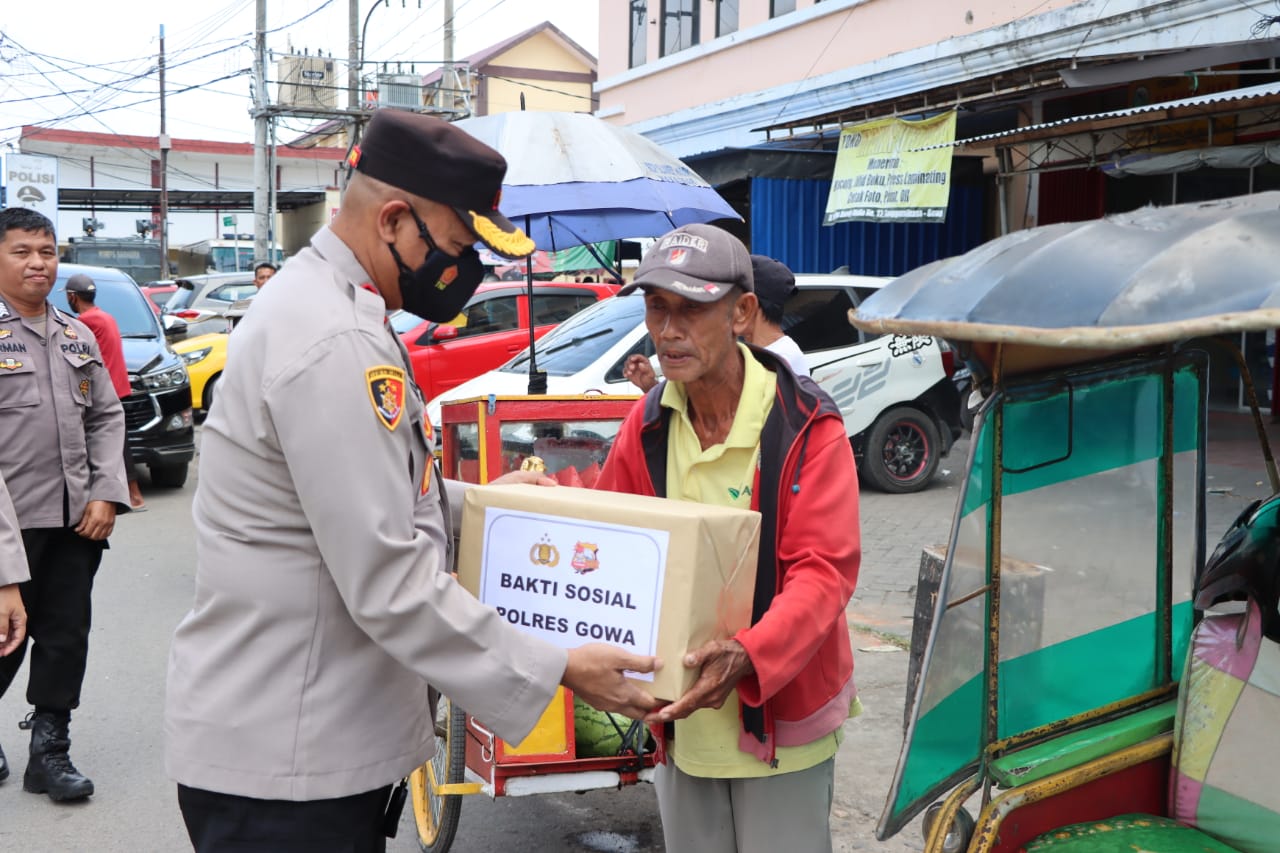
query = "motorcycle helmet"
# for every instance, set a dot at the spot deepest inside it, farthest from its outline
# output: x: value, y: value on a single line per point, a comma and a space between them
x: 1246, y: 565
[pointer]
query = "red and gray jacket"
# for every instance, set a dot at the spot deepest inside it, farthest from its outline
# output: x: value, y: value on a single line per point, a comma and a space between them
x: 806, y: 489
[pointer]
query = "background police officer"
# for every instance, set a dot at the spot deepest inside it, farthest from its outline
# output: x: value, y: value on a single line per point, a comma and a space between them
x: 13, y: 571
x: 63, y: 460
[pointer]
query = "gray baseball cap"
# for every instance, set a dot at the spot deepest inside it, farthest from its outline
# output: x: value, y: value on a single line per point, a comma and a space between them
x: 698, y: 262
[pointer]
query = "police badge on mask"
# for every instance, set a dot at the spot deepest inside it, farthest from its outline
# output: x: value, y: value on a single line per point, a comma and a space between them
x: 435, y: 160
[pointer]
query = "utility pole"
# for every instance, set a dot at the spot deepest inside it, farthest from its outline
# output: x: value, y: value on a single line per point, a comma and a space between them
x: 261, y: 164
x: 164, y: 144
x: 353, y: 54
x: 445, y: 100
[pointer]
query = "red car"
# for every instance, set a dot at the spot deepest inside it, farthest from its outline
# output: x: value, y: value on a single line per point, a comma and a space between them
x: 158, y: 294
x: 492, y: 328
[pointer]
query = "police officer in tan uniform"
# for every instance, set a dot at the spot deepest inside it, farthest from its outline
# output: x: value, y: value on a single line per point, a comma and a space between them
x: 62, y: 457
x: 13, y: 571
x: 298, y: 688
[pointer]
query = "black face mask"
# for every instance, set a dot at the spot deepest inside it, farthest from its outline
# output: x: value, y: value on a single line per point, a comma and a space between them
x: 439, y: 289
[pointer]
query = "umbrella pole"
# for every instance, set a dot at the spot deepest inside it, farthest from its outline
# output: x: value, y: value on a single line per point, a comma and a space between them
x: 616, y: 272
x: 537, y: 380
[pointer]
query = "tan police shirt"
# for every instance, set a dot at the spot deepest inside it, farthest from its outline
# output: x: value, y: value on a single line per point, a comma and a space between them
x: 61, y: 420
x: 323, y: 601
x: 13, y: 557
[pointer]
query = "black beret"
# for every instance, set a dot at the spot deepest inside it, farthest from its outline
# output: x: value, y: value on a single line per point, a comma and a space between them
x: 433, y: 159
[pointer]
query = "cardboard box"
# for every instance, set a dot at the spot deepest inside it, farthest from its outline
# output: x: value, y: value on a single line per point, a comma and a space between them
x: 573, y: 566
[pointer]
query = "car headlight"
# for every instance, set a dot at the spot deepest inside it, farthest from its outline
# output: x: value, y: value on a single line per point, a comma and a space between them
x: 171, y: 378
x: 196, y: 355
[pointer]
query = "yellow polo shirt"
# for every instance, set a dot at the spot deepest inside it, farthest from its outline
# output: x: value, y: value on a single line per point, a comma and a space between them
x: 706, y: 742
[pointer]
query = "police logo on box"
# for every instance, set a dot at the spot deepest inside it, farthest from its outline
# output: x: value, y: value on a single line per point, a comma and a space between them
x: 543, y: 553
x: 586, y: 557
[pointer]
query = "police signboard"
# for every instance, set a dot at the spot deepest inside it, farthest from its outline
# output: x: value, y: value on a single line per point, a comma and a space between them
x: 32, y: 181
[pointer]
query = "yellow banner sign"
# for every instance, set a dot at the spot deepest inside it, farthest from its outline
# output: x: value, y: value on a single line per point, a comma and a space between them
x: 882, y: 176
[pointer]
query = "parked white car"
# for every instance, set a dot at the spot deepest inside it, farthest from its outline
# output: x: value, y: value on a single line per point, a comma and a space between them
x: 900, y: 406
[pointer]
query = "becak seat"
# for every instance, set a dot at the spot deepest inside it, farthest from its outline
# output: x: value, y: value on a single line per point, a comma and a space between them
x: 1223, y: 791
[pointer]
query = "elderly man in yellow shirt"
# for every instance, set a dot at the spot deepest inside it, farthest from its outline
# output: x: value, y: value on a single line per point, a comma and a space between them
x: 748, y: 752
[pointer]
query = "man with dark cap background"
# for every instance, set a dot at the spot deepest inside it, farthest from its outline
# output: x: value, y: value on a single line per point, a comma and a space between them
x: 774, y: 284
x: 302, y: 684
x: 748, y: 752
x: 82, y: 296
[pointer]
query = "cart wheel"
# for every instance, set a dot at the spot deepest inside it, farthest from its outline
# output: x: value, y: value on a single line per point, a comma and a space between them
x: 437, y: 815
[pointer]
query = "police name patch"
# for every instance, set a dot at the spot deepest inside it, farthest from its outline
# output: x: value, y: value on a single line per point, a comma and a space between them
x: 386, y: 392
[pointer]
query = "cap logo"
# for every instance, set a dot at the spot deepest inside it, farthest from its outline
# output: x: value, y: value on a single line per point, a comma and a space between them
x: 677, y: 257
x: 353, y: 156
x: 680, y: 238
x: 692, y: 288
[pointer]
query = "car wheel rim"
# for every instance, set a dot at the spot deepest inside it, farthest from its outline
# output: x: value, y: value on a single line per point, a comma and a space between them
x: 906, y: 451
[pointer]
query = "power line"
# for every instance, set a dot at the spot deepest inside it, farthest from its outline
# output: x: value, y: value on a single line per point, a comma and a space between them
x: 240, y: 73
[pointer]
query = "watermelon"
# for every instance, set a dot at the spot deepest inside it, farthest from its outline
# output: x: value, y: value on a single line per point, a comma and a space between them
x: 595, y: 731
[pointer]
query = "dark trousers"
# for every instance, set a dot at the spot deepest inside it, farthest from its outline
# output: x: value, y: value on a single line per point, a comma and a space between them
x: 130, y: 472
x: 225, y: 823
x: 57, y: 599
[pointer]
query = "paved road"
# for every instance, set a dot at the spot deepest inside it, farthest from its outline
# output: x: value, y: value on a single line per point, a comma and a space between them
x: 144, y: 587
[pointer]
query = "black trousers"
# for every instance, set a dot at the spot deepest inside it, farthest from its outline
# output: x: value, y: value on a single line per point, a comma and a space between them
x: 57, y: 599
x: 225, y: 823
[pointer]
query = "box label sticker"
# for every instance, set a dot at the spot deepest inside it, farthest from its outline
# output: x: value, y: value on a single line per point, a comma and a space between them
x: 571, y: 582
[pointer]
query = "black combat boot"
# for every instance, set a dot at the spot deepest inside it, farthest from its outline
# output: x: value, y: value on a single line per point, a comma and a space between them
x: 50, y: 770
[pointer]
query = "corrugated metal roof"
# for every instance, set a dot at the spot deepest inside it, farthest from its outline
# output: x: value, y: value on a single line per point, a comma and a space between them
x: 1244, y: 94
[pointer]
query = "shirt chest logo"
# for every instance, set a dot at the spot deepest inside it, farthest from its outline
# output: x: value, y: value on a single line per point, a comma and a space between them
x: 386, y: 392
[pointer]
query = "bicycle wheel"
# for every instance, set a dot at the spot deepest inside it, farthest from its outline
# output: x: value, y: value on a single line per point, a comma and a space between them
x: 436, y: 815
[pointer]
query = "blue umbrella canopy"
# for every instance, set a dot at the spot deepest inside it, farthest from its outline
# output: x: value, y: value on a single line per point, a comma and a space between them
x: 1155, y: 275
x: 582, y: 180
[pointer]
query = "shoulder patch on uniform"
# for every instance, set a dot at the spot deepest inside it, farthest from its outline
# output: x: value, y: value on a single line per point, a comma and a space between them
x: 386, y: 393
